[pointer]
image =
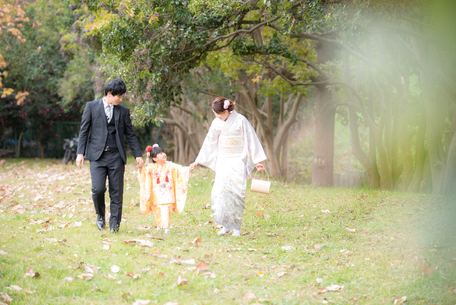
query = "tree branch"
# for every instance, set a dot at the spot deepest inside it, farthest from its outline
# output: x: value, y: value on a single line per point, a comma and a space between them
x: 184, y: 131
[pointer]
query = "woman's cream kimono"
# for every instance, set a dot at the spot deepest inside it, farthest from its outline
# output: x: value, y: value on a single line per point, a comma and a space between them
x: 231, y: 148
x: 163, y: 188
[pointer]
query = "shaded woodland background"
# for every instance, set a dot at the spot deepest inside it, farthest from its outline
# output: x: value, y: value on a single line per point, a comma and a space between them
x: 328, y: 85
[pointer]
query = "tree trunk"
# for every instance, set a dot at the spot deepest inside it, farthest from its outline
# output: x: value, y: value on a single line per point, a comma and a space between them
x: 450, y: 171
x: 285, y: 158
x: 323, y: 161
x: 325, y: 112
x: 435, y: 114
x: 43, y: 131
x: 426, y: 182
x: 436, y: 111
x: 406, y: 152
x: 375, y: 179
x: 420, y: 157
x: 19, y: 144
x: 357, y: 150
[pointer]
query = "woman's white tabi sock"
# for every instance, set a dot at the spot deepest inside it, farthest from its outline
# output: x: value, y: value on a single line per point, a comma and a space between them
x: 236, y: 232
x: 223, y: 231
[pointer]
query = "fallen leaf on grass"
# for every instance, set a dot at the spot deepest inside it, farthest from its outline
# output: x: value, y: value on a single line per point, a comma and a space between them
x: 91, y: 269
x: 287, y: 248
x: 318, y: 246
x: 281, y: 274
x: 107, y: 241
x: 196, y: 241
x: 29, y: 272
x: 126, y: 295
x: 210, y: 275
x: 427, y: 269
x: 141, y: 302
x: 3, y: 252
x: 6, y: 297
x: 351, y: 230
x: 319, y: 280
x: 39, y: 197
x: 143, y: 228
x: 133, y: 276
x: 181, y: 281
x: 141, y: 242
x: 401, y: 300
x: 29, y: 291
x: 326, y: 211
x: 110, y: 276
x: 86, y: 276
x: 69, y: 279
x: 78, y: 224
x: 331, y: 288
x: 64, y: 225
x: 14, y: 287
x: 249, y: 296
x: 202, y: 266
x: 172, y: 303
x: 181, y: 261
x: 346, y: 252
x: 95, y: 288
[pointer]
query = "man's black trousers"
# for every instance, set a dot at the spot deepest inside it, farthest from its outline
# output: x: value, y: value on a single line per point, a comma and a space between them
x: 109, y: 165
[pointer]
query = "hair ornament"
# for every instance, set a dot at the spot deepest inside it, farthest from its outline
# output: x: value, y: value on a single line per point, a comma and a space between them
x: 155, y: 145
x: 226, y: 104
x: 148, y: 148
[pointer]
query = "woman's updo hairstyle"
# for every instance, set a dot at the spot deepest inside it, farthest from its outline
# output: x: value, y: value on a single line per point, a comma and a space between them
x: 153, y: 150
x: 221, y: 104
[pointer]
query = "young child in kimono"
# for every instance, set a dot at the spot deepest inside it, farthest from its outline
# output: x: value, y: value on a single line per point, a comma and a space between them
x: 163, y: 187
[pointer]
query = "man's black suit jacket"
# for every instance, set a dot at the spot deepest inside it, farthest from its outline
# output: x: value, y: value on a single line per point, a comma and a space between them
x: 94, y: 131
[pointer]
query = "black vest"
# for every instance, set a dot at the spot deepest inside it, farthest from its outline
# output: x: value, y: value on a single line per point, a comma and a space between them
x: 111, y: 138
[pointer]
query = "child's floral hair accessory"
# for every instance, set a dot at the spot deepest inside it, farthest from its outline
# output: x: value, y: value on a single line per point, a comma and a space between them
x: 226, y: 104
x: 148, y: 148
x: 155, y: 145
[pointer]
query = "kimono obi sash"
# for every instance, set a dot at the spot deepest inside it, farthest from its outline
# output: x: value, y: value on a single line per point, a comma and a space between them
x: 230, y: 145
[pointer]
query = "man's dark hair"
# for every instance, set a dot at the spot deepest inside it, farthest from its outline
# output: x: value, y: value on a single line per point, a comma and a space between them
x: 116, y: 87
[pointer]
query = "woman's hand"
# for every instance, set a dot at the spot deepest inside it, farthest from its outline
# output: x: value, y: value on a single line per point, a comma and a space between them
x: 260, y: 167
x: 192, y: 166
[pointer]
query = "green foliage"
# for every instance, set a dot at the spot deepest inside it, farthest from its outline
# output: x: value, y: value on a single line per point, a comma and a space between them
x: 37, y: 67
x: 153, y: 44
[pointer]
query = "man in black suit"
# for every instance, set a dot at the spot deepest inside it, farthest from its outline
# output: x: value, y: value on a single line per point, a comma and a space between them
x: 103, y: 126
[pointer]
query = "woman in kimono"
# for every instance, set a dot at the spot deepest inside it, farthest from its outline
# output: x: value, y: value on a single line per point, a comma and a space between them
x: 231, y: 149
x: 163, y: 187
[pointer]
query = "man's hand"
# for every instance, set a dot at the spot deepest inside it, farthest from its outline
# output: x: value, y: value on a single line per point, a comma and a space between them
x: 192, y: 166
x: 140, y: 162
x: 79, y: 161
x: 260, y: 167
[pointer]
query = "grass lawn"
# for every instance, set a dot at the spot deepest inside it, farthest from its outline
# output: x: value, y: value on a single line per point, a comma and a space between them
x: 299, y: 244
